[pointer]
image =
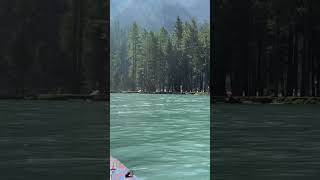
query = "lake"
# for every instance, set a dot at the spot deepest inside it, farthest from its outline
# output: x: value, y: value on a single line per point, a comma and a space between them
x: 53, y: 140
x: 162, y: 136
x: 278, y: 142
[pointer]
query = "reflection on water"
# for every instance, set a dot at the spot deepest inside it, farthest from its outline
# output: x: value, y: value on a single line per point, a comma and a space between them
x: 162, y: 136
x: 266, y: 142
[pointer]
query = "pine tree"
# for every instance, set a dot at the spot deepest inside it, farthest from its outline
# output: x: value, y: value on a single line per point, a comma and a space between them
x: 177, y: 42
x: 204, y: 40
x: 133, y: 52
x: 163, y: 38
x: 164, y: 62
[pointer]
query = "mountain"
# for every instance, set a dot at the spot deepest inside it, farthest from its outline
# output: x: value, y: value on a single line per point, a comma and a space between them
x: 152, y: 14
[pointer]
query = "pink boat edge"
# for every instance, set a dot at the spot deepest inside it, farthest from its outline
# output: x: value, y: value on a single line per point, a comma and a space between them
x: 119, y: 171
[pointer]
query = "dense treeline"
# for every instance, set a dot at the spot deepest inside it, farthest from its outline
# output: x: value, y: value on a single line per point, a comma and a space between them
x: 160, y: 61
x: 266, y: 47
x: 53, y: 46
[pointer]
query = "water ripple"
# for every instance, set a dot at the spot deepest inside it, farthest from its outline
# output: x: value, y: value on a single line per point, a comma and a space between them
x: 161, y: 136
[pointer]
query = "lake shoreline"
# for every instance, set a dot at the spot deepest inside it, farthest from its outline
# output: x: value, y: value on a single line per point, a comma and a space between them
x: 266, y: 100
x: 56, y: 97
x: 176, y: 93
x: 99, y: 97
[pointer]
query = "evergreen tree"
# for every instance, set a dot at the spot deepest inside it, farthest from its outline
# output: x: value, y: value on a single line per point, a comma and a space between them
x: 133, y: 53
x: 160, y: 61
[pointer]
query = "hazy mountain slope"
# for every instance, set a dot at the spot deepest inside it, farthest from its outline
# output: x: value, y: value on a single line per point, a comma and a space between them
x: 152, y: 14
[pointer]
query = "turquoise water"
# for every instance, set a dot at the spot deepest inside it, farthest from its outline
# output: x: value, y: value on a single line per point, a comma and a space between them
x: 162, y: 136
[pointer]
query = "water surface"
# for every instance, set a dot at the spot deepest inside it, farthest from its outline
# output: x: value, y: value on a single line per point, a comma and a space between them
x: 266, y: 142
x: 53, y: 140
x: 162, y: 136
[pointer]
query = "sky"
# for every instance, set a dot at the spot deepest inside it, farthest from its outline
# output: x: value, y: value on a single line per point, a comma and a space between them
x: 158, y: 12
x: 196, y: 5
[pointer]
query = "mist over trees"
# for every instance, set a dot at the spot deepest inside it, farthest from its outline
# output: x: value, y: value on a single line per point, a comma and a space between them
x: 266, y: 47
x: 53, y: 46
x: 160, y: 61
x: 154, y: 14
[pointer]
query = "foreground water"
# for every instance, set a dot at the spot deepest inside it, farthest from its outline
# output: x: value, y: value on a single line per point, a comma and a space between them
x: 162, y: 136
x: 278, y: 142
x: 53, y: 140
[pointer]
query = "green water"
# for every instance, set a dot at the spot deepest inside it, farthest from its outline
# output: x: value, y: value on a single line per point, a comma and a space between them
x: 162, y: 136
x: 53, y: 140
x: 266, y: 142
